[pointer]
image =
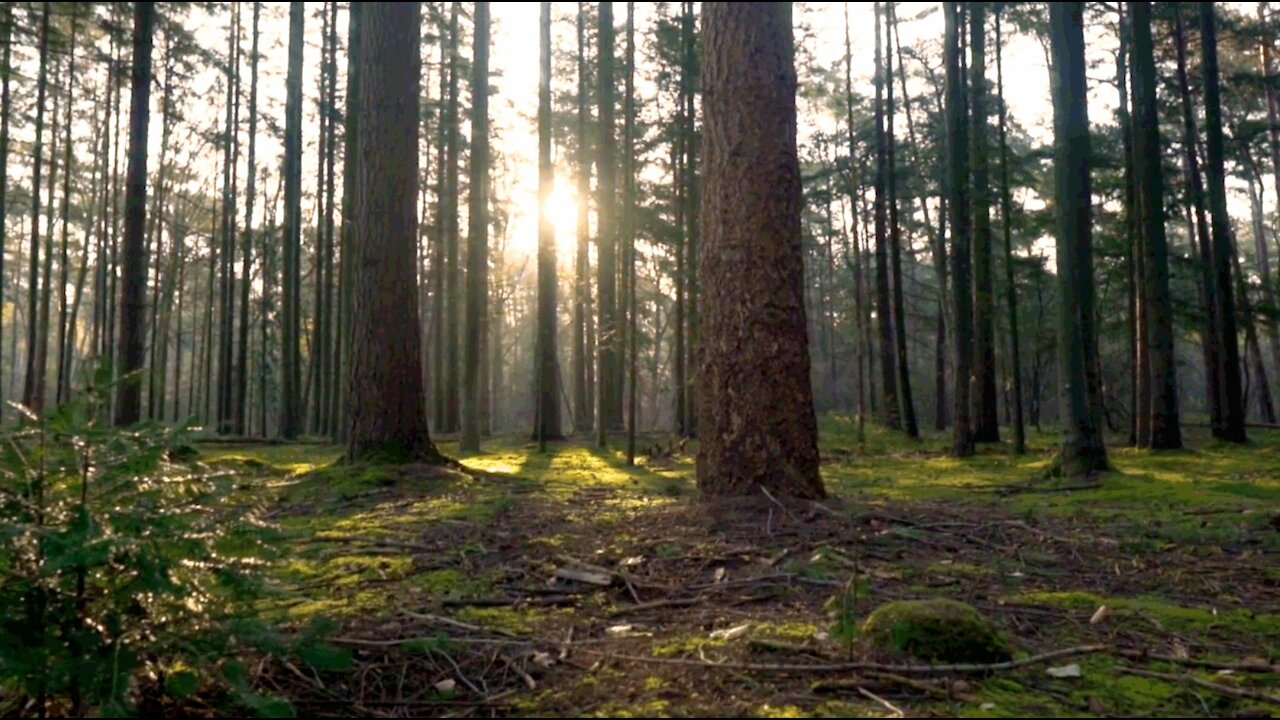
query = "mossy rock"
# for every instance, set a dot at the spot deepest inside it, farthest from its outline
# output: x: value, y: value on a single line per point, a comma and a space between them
x: 937, y: 631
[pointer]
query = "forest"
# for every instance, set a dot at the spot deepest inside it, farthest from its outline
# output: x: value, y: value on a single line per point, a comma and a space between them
x: 771, y: 359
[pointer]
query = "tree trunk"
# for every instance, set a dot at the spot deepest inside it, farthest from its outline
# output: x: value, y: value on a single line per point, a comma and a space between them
x: 986, y: 421
x: 629, y: 232
x: 1164, y: 428
x: 1231, y: 424
x: 547, y: 386
x: 582, y: 405
x: 607, y: 393
x: 755, y: 405
x: 958, y: 202
x: 891, y: 414
x: 291, y: 363
x: 1082, y: 454
x: 133, y: 305
x: 477, y: 235
x: 63, y: 389
x: 29, y: 385
x: 449, y: 209
x: 388, y: 410
x: 1011, y: 289
x: 856, y: 264
x: 902, y: 368
x: 246, y: 260
x: 688, y: 175
x: 6, y: 106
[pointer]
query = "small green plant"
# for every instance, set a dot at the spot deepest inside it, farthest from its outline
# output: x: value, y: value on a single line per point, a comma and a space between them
x: 129, y: 574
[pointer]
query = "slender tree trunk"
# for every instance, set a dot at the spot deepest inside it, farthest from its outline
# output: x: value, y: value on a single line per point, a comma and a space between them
x: 607, y: 393
x: 958, y: 202
x: 291, y: 366
x: 890, y: 409
x: 1130, y: 216
x: 582, y: 404
x: 1011, y: 289
x: 449, y: 208
x: 42, y: 319
x: 6, y: 107
x: 246, y: 259
x: 1082, y: 454
x: 1165, y: 432
x: 986, y: 422
x: 1267, y: 280
x: 902, y: 368
x: 62, y: 389
x: 1266, y: 409
x: 132, y: 343
x: 388, y: 409
x: 629, y: 232
x: 547, y: 410
x: 688, y: 80
x: 758, y: 430
x: 1231, y: 426
x: 439, y: 270
x: 477, y: 235
x: 856, y: 266
x: 29, y: 392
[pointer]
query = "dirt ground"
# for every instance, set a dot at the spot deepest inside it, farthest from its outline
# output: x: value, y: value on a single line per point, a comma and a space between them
x: 567, y: 584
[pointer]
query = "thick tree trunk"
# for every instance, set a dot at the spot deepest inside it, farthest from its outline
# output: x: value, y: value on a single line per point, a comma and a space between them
x: 755, y: 405
x: 133, y: 302
x: 1082, y: 454
x: 388, y: 412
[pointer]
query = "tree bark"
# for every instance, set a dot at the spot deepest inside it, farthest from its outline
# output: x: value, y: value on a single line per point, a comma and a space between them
x: 755, y: 405
x: 1082, y: 453
x: 1011, y: 289
x: 132, y: 342
x: 387, y: 404
x: 902, y: 368
x: 958, y: 202
x: 291, y: 363
x: 547, y: 386
x: 986, y: 421
x: 477, y: 235
x: 30, y: 379
x: 608, y: 413
x: 891, y: 411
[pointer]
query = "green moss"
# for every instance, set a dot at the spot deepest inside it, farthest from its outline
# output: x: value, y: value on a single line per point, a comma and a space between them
x: 1164, y: 613
x: 935, y: 630
x: 510, y: 619
x: 686, y: 646
x: 796, y: 631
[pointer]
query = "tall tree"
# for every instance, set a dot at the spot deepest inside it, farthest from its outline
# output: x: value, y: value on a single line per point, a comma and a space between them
x: 1231, y: 423
x: 547, y: 412
x: 582, y: 404
x: 227, y: 222
x: 856, y: 263
x: 291, y: 325
x: 449, y: 217
x: 608, y: 393
x: 629, y: 230
x: 477, y: 307
x: 387, y: 404
x: 1164, y: 428
x: 1006, y: 221
x: 689, y: 200
x: 6, y: 106
x: 1082, y: 454
x: 755, y: 405
x: 133, y: 300
x: 958, y: 203
x: 986, y: 421
x: 31, y: 381
x: 902, y: 368
x: 246, y: 261
x: 891, y: 410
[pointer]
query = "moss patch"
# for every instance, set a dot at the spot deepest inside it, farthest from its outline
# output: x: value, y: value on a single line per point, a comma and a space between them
x: 935, y: 630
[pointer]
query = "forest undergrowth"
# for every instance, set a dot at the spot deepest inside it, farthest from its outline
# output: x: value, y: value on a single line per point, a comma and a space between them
x: 569, y: 584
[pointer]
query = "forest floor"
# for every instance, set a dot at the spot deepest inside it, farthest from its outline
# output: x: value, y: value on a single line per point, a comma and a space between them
x: 569, y: 584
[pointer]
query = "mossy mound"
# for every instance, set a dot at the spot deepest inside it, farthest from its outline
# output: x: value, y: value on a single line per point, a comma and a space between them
x: 937, y: 631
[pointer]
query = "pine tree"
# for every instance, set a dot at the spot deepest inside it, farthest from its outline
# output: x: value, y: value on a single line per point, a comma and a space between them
x: 547, y: 410
x: 477, y: 306
x: 291, y: 363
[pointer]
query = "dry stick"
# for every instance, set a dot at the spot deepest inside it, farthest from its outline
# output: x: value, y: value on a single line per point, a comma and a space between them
x: 457, y: 623
x: 654, y: 604
x: 371, y: 541
x: 1188, y: 678
x: 854, y: 666
x: 1254, y: 667
x: 891, y: 707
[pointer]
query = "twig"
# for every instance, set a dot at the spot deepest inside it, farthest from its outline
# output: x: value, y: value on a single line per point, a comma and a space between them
x: 891, y: 707
x: 963, y: 668
x: 528, y: 680
x: 1215, y: 687
x: 508, y: 601
x: 781, y: 507
x: 457, y: 623
x: 655, y: 604
x: 370, y: 541
x: 1258, y: 667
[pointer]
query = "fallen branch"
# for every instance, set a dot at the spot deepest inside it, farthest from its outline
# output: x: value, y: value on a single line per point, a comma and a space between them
x: 960, y: 668
x: 1259, y: 666
x: 1215, y: 687
x: 655, y: 604
x: 375, y: 542
x: 509, y: 601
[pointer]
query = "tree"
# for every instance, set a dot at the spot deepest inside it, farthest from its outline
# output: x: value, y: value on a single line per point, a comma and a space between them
x: 902, y: 368
x: 291, y: 362
x: 608, y: 392
x: 1164, y: 429
x: 31, y: 392
x: 757, y: 428
x: 6, y: 71
x: 629, y: 231
x: 242, y: 365
x: 1082, y: 454
x: 1230, y: 426
x: 387, y: 403
x: 477, y: 307
x: 547, y: 412
x: 133, y: 303
x: 582, y: 401
x: 986, y: 423
x: 891, y: 410
x: 958, y: 204
x: 1011, y: 290
x: 449, y: 219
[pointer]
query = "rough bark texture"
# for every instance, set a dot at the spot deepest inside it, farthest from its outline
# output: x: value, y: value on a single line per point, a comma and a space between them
x: 1082, y: 452
x: 608, y: 391
x: 388, y: 410
x: 1010, y: 288
x: 986, y: 421
x: 547, y: 413
x: 29, y: 383
x: 902, y: 368
x: 1164, y: 429
x: 755, y: 406
x: 291, y: 364
x: 1231, y: 424
x: 133, y: 298
x: 890, y: 410
x: 958, y: 204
